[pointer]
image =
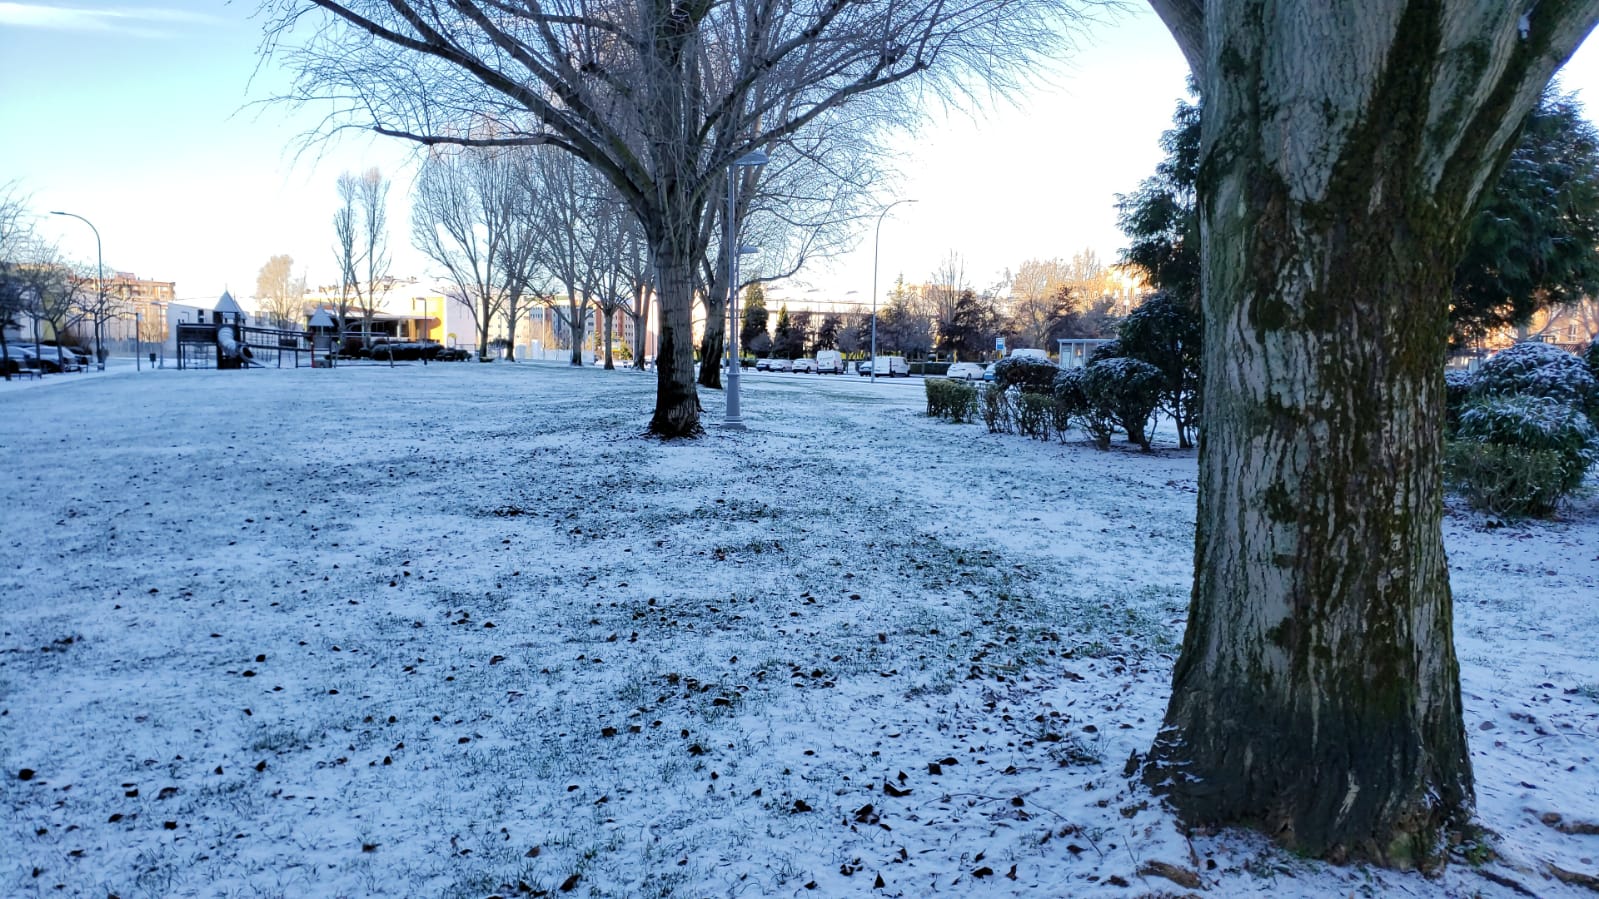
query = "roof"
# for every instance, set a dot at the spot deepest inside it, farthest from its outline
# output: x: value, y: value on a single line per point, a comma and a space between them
x: 228, y: 304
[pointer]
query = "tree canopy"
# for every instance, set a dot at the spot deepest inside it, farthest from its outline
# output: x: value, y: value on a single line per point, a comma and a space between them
x: 1535, y: 241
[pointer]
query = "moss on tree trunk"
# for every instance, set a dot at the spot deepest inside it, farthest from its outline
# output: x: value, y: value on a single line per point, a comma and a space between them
x: 677, y: 402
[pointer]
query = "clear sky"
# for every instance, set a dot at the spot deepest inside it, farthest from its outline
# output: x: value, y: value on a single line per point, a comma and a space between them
x: 147, y: 119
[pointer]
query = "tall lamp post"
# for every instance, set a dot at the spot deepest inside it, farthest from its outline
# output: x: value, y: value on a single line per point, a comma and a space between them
x: 99, y: 282
x: 733, y: 420
x: 876, y: 240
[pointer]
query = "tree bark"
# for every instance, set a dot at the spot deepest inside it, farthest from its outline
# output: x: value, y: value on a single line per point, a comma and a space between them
x: 576, y: 318
x: 1344, y: 146
x: 677, y: 402
x: 510, y: 329
x: 712, y: 346
x: 609, y: 313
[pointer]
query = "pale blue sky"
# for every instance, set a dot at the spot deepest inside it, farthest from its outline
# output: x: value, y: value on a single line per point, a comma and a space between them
x: 143, y: 118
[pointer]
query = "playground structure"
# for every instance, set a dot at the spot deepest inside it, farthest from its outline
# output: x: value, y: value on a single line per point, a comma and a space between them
x: 229, y: 341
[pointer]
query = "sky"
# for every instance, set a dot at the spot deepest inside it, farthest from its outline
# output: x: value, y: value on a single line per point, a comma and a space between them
x: 155, y: 122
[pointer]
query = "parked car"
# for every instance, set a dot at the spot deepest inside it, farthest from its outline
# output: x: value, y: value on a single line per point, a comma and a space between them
x: 763, y: 365
x: 805, y: 365
x: 81, y: 354
x: 829, y: 362
x: 47, y: 359
x: 988, y: 372
x: 780, y: 365
x: 892, y: 367
x: 964, y: 371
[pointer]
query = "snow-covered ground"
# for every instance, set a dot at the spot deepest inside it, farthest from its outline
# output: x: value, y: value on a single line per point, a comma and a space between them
x: 459, y: 630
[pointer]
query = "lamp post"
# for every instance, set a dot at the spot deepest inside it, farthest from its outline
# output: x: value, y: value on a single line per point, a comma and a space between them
x: 733, y: 420
x: 99, y: 282
x: 876, y: 241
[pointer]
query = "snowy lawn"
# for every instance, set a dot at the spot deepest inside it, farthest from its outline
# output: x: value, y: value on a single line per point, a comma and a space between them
x: 459, y: 630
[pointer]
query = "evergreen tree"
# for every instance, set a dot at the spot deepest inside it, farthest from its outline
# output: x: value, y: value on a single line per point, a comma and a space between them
x: 1160, y: 218
x: 783, y: 336
x: 753, y: 316
x: 1533, y: 243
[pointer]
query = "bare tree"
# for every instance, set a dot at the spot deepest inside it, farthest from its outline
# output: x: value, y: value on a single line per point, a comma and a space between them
x: 659, y: 97
x: 463, y: 211
x: 612, y: 230
x: 570, y: 196
x: 279, y: 294
x: 345, y: 250
x: 800, y: 207
x: 634, y: 263
x: 1038, y: 290
x: 50, y: 290
x: 1344, y: 147
x: 372, y: 234
x: 92, y: 303
x: 519, y: 273
x: 15, y: 232
x: 940, y: 299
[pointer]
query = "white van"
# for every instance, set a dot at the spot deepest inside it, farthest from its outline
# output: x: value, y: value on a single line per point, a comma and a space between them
x: 829, y: 362
x: 1029, y: 352
x: 886, y: 367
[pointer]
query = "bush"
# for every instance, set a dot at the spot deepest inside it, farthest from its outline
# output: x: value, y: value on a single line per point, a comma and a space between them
x: 1071, y: 403
x: 1111, y: 350
x: 1507, y: 481
x: 994, y: 405
x: 1028, y: 374
x: 1520, y: 455
x: 951, y: 400
x: 934, y: 369
x: 1457, y: 392
x: 1035, y: 415
x: 1124, y: 391
x: 1168, y: 334
x: 1539, y: 369
x: 1591, y: 356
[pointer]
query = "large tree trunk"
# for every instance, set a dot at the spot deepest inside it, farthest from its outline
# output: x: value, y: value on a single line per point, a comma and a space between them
x: 610, y: 314
x: 677, y: 403
x: 576, y: 318
x: 1344, y: 147
x: 510, y: 329
x: 714, y: 341
x: 483, y: 323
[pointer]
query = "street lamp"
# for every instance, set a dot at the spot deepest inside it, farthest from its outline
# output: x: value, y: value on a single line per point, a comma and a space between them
x: 99, y: 310
x: 876, y: 240
x: 733, y: 420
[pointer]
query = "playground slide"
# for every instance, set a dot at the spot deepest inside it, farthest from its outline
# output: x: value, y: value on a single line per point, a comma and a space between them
x: 232, y: 348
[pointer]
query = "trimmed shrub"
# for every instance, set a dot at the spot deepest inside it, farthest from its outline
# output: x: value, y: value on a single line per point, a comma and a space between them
x: 1539, y: 369
x: 1591, y: 356
x: 1112, y: 350
x: 1028, y: 374
x: 1520, y: 455
x: 1123, y: 391
x: 1071, y: 403
x: 933, y: 369
x: 951, y: 400
x: 1035, y: 415
x: 994, y: 405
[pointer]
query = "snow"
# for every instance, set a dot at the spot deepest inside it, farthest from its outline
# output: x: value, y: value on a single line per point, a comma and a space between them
x: 459, y: 630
